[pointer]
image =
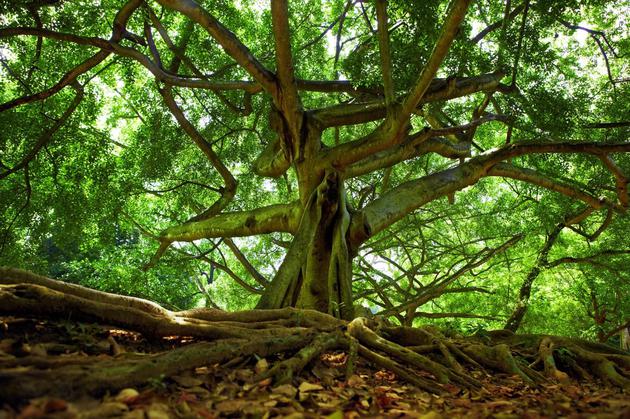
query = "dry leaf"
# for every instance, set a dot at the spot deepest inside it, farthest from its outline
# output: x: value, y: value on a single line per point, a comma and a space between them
x: 186, y: 381
x: 127, y: 396
x: 305, y: 387
x: 261, y: 366
x: 355, y: 381
x: 158, y: 411
x: 285, y: 390
x: 431, y: 415
x: 106, y: 410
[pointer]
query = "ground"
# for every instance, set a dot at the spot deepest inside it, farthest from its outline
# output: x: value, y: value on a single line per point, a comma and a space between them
x: 230, y: 389
x: 70, y: 351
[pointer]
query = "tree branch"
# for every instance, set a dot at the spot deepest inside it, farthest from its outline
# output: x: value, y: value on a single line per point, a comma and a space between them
x: 230, y: 43
x: 288, y: 99
x: 453, y: 315
x: 536, y: 178
x: 405, y: 198
x: 440, y: 89
x: 439, y: 287
x: 386, y: 60
x: 592, y: 259
x: 246, y: 263
x: 120, y: 22
x: 47, y: 135
x: 273, y: 218
x: 229, y: 191
x: 496, y: 25
x: 450, y: 28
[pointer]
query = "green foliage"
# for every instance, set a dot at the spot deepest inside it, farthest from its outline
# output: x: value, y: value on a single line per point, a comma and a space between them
x: 121, y: 169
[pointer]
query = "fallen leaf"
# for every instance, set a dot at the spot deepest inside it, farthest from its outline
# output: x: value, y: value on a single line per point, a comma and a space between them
x: 231, y: 405
x: 355, y: 381
x: 158, y: 411
x: 127, y: 396
x: 106, y: 410
x: 261, y: 366
x: 186, y: 381
x: 265, y: 382
x: 285, y: 390
x: 134, y: 414
x: 55, y: 405
x: 336, y: 415
x: 305, y: 387
x: 431, y: 415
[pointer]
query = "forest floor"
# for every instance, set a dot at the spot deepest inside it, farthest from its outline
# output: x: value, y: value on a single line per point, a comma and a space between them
x: 229, y: 390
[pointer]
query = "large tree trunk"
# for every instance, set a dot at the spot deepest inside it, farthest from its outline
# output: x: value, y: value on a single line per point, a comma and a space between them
x: 317, y: 270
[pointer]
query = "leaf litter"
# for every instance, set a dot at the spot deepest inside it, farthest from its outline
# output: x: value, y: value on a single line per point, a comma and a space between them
x: 323, y: 391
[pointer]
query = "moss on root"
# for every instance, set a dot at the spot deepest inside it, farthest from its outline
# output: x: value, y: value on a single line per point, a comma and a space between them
x: 425, y: 358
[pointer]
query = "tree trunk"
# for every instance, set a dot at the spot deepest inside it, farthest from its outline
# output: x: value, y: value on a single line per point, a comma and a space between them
x: 625, y: 338
x: 317, y: 270
x: 514, y: 322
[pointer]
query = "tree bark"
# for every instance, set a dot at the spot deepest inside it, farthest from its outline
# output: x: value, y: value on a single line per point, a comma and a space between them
x: 317, y: 271
x: 514, y: 322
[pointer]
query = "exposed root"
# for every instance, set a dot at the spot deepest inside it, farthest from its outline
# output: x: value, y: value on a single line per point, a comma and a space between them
x: 111, y: 375
x: 404, y: 373
x: 284, y: 371
x: 304, y: 335
x: 443, y: 374
x: 353, y: 351
x: 546, y: 355
x: 498, y: 357
x: 603, y: 367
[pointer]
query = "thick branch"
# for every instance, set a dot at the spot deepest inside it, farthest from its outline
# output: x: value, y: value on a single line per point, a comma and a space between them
x: 288, y: 99
x: 449, y: 31
x: 281, y: 217
x: 383, y: 43
x: 400, y: 201
x: 440, y: 89
x: 230, y: 43
x: 418, y: 144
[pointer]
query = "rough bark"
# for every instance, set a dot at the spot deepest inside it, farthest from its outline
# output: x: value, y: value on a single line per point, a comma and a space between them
x: 425, y: 357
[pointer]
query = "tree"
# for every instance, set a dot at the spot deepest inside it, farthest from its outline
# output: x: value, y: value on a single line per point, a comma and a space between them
x: 327, y: 230
x: 407, y: 99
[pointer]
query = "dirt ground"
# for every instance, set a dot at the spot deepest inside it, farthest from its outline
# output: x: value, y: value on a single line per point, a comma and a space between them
x: 230, y: 390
